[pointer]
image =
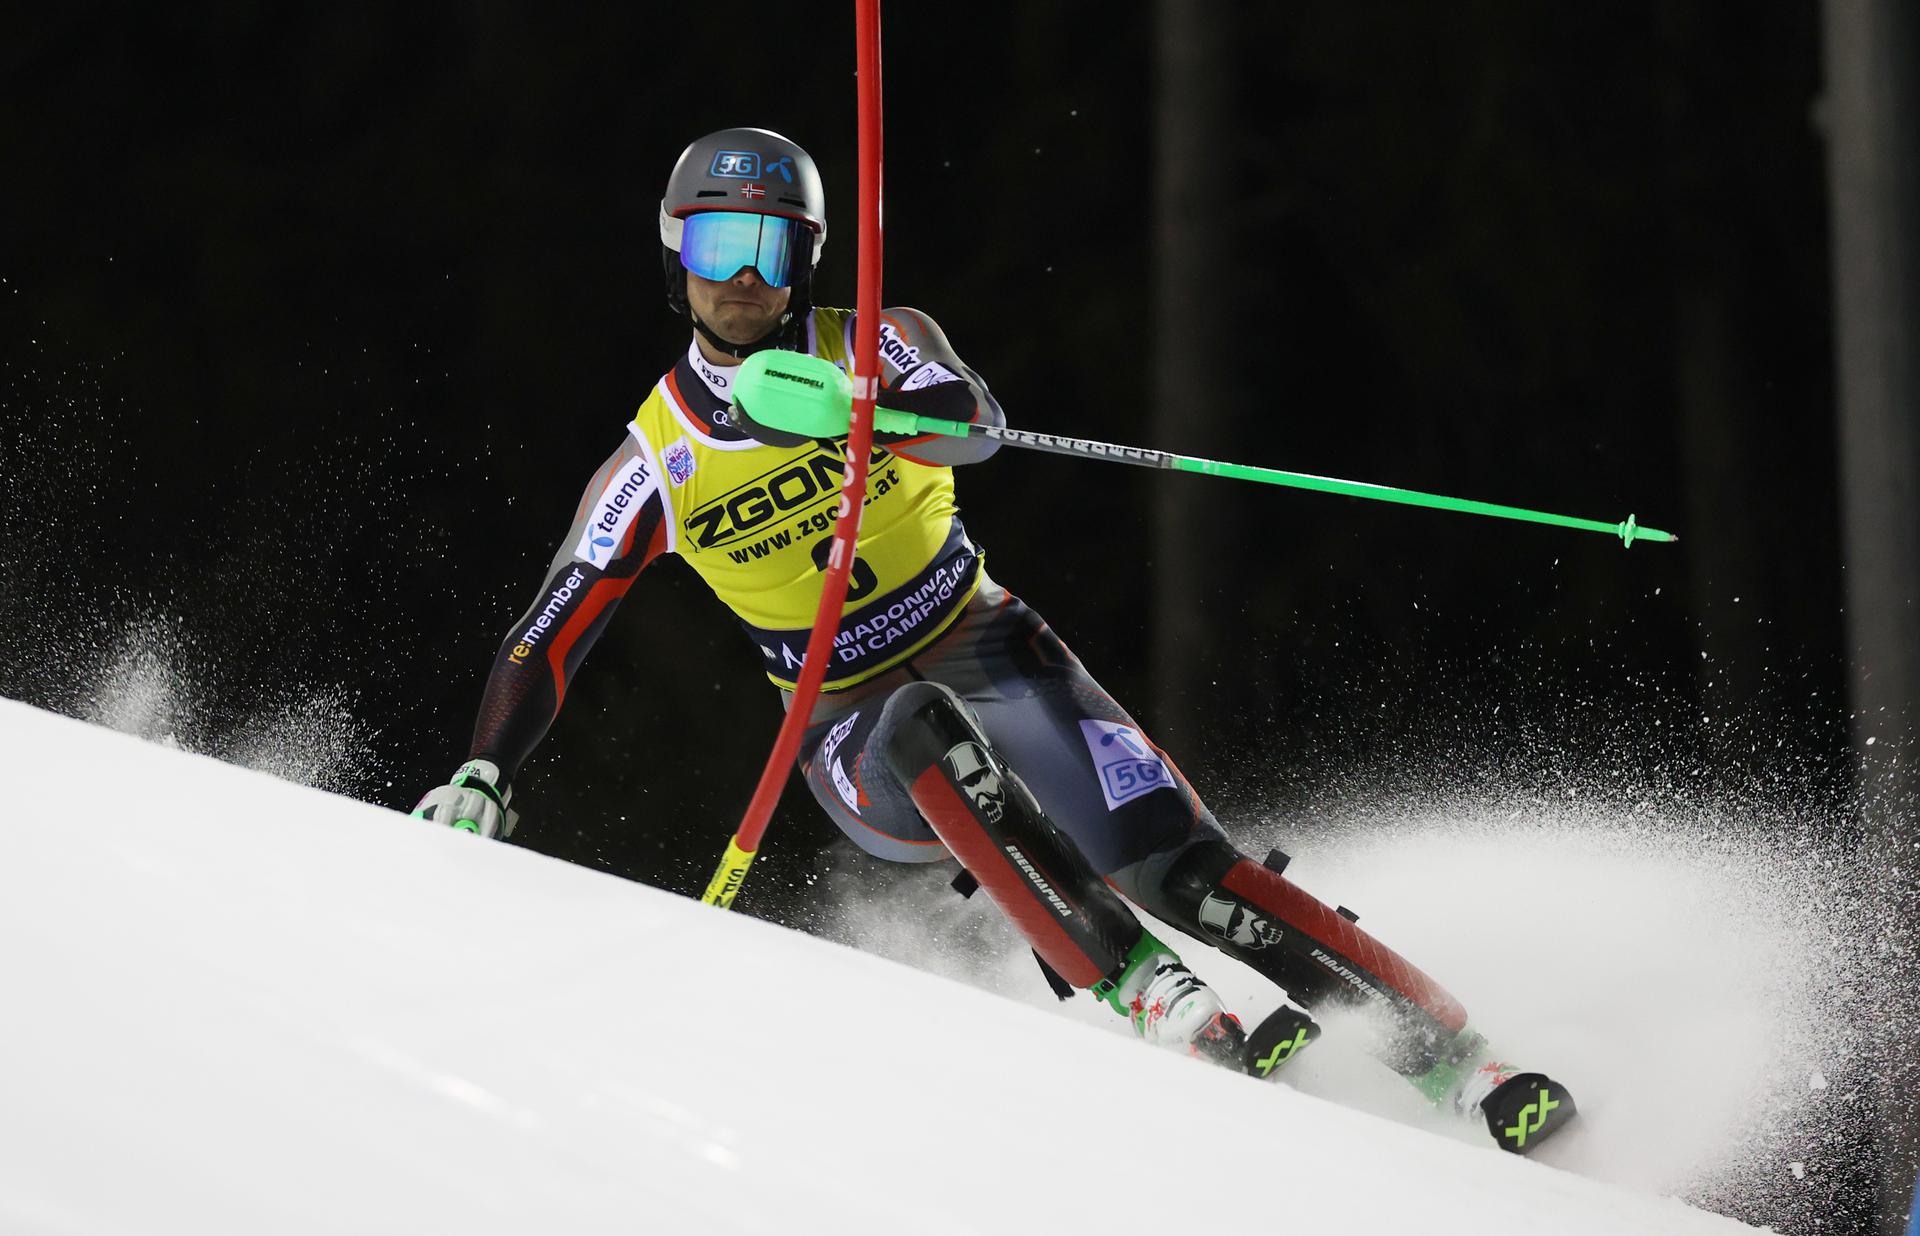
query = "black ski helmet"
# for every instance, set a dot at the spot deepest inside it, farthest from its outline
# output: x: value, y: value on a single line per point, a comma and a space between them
x: 753, y: 171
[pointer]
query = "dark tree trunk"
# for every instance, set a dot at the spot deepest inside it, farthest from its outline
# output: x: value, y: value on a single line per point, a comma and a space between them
x: 1733, y: 519
x: 1871, y: 127
x: 1191, y: 110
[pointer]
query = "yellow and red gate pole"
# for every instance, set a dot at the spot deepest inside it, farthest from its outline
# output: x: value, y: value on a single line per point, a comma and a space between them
x: 732, y: 872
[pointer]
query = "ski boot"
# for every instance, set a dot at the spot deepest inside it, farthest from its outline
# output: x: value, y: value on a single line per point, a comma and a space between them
x: 1521, y: 1109
x: 1170, y: 1006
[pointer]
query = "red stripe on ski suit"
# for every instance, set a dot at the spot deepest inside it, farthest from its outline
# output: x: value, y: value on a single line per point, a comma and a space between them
x: 949, y: 816
x: 603, y: 592
x: 1301, y: 910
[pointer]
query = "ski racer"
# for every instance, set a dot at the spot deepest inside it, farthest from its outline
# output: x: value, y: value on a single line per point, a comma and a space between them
x: 953, y: 721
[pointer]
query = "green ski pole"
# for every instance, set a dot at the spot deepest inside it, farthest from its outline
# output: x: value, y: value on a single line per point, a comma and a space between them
x: 806, y: 395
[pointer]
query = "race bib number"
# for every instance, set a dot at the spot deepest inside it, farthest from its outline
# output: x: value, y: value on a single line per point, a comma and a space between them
x: 1126, y: 765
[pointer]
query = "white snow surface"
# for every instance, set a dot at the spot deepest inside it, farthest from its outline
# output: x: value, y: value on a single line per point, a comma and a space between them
x: 237, y: 1005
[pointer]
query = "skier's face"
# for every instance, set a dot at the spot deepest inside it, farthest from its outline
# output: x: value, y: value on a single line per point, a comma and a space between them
x: 739, y: 310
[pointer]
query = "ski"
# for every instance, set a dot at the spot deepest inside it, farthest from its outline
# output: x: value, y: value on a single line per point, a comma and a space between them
x: 1280, y: 1036
x: 1521, y: 1108
x: 1525, y: 1110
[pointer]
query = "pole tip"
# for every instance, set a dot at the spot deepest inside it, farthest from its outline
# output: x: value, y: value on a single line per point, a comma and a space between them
x: 1630, y: 531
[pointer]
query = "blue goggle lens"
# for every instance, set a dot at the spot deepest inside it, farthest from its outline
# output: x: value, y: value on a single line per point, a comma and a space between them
x: 716, y: 244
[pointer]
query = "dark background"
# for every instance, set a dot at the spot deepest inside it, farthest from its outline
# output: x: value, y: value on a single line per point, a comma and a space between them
x: 318, y: 318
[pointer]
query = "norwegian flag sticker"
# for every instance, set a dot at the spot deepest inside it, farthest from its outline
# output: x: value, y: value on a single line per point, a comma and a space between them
x: 753, y: 190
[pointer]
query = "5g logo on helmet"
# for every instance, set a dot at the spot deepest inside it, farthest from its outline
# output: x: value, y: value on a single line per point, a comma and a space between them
x: 736, y: 164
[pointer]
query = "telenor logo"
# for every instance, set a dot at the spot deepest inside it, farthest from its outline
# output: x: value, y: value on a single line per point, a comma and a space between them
x: 613, y: 514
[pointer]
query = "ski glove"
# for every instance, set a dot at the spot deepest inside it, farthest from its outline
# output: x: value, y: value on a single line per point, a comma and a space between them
x: 475, y: 801
x: 737, y: 416
x: 950, y: 400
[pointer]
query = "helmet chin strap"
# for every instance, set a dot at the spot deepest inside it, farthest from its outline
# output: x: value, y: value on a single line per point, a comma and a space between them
x: 740, y: 351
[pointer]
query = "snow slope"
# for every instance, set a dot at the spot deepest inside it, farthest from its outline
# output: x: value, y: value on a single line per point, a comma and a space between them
x: 233, y: 1004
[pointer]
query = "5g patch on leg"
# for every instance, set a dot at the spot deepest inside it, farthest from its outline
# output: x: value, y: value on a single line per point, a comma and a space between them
x: 1126, y: 765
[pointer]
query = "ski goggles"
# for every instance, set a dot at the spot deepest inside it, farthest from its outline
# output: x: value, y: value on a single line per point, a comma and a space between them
x: 716, y: 244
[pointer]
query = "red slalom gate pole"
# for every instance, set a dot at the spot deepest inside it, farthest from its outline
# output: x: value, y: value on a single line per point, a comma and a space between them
x: 732, y: 872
